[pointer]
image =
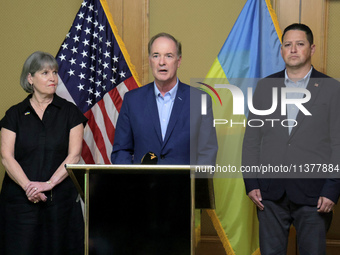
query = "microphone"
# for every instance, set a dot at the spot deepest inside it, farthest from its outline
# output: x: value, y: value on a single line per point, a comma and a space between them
x: 150, y: 158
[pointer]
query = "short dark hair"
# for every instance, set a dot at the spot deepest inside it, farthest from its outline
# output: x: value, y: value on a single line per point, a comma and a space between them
x: 178, y: 44
x: 301, y: 27
x: 35, y: 62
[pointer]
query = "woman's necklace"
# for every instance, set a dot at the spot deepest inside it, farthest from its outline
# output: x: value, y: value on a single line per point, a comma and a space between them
x: 37, y: 104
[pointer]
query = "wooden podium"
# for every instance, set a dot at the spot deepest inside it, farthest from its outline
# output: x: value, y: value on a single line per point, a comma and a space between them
x: 137, y: 209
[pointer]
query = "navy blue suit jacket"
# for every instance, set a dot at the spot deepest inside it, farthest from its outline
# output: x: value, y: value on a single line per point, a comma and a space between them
x: 314, y: 140
x: 190, y: 137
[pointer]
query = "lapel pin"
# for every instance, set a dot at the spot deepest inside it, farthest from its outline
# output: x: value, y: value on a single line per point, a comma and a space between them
x: 316, y: 85
x: 26, y: 113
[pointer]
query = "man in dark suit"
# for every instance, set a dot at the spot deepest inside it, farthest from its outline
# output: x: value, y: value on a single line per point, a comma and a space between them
x: 298, y: 140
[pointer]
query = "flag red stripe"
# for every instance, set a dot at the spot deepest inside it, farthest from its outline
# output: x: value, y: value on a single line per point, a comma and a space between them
x: 86, y: 154
x: 131, y: 83
x: 97, y: 135
x: 116, y: 98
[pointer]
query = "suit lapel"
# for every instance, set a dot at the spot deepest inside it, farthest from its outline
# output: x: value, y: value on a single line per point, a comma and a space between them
x: 283, y: 129
x: 279, y: 84
x: 176, y: 111
x: 152, y: 111
x: 314, y: 86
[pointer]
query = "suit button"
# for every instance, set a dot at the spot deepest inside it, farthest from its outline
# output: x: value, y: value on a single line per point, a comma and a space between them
x: 162, y: 157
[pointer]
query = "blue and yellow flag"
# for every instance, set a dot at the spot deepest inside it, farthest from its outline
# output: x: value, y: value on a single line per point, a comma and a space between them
x: 251, y: 51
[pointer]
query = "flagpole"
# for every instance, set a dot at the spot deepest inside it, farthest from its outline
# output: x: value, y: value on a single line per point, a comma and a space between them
x: 300, y: 11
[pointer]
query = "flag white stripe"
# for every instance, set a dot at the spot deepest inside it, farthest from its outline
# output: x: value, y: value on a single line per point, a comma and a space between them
x: 111, y: 109
x: 122, y: 89
x: 89, y: 140
x: 62, y: 91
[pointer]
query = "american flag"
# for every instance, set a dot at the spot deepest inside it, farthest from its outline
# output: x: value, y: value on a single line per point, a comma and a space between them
x: 94, y: 73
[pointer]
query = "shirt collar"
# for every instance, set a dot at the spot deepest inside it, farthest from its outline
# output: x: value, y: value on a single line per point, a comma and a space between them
x: 304, y: 79
x: 171, y: 92
x: 57, y: 101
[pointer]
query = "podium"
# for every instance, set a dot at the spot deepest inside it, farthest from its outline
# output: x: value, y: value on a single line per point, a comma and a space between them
x: 137, y: 209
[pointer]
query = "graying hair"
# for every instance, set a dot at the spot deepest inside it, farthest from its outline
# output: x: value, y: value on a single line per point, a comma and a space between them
x: 35, y: 62
x: 166, y: 35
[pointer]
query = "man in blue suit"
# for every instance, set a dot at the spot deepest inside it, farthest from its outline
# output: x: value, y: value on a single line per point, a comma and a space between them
x: 164, y: 117
x: 298, y: 142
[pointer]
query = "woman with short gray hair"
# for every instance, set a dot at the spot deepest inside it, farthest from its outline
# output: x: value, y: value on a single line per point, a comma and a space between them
x: 39, y: 209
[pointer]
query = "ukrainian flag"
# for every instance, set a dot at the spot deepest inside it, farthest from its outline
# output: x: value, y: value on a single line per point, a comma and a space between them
x: 251, y: 51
